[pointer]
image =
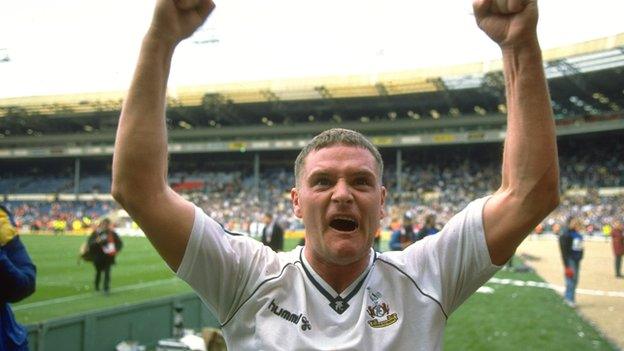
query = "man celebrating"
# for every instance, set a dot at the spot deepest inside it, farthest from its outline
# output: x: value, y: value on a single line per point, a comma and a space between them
x: 336, y: 292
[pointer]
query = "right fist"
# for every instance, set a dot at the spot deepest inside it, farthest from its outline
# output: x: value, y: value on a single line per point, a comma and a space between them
x: 507, y: 7
x: 186, y: 5
x: 176, y: 20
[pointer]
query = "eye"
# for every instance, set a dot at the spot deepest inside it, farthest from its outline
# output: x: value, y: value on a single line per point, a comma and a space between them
x: 321, y: 181
x: 362, y: 181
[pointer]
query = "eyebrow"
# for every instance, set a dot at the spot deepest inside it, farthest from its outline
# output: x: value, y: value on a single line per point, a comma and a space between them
x: 366, y: 173
x: 324, y: 173
x: 319, y: 173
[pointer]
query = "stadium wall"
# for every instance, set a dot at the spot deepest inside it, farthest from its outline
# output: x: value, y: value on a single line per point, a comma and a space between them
x: 145, y: 323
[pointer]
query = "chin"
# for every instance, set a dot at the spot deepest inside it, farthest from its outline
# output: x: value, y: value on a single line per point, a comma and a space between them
x: 349, y: 252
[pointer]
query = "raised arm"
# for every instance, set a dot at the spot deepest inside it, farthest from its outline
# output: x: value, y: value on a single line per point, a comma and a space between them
x: 530, y: 172
x: 140, y: 159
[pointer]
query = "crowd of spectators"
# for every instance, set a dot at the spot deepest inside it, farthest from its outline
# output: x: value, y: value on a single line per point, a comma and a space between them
x: 437, y: 181
x: 58, y: 216
x: 232, y: 199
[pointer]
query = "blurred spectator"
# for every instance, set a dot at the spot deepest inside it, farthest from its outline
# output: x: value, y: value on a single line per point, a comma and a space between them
x: 377, y: 240
x: 428, y: 228
x: 104, y: 245
x: 571, y: 245
x: 404, y: 236
x: 17, y: 281
x: 617, y: 240
x: 272, y: 233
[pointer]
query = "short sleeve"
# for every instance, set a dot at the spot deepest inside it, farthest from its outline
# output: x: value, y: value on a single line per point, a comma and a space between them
x: 223, y: 267
x: 452, y: 264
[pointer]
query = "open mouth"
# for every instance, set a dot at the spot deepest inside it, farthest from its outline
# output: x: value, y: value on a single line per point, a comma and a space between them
x: 344, y: 224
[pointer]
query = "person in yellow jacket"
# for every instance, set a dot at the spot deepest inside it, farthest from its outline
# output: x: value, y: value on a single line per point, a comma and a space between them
x: 17, y: 281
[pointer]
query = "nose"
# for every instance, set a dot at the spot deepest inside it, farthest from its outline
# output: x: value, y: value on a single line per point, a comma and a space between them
x: 342, y: 192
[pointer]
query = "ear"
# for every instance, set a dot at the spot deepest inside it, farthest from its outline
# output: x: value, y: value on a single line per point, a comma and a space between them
x: 382, y: 212
x: 294, y: 197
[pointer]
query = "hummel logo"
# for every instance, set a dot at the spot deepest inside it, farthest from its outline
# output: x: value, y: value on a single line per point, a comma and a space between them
x: 289, y: 316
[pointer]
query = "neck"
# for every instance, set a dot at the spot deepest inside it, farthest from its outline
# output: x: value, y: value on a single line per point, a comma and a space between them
x: 338, y: 276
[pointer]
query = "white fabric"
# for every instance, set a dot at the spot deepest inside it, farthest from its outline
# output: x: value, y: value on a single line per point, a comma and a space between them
x: 266, y: 300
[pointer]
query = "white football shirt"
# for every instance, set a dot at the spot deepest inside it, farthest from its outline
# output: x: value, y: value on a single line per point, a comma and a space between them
x: 276, y: 301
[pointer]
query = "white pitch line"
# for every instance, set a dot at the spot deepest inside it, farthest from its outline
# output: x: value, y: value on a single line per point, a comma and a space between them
x: 95, y: 293
x: 558, y: 288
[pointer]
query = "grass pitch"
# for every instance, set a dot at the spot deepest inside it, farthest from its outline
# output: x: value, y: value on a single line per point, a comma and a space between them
x: 65, y: 285
x: 510, y: 318
x: 520, y: 318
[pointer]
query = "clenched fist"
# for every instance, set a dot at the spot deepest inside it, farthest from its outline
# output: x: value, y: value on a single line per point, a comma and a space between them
x: 176, y: 20
x: 508, y: 22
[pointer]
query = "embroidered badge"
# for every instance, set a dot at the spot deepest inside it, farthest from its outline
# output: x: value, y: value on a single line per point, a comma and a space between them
x: 378, y: 311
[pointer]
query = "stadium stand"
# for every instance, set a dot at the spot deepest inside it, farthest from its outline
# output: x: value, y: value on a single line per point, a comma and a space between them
x: 435, y: 179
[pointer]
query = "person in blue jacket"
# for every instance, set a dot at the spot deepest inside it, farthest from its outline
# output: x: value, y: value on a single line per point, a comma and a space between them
x: 17, y: 281
x: 404, y: 236
x: 571, y: 245
x: 429, y: 228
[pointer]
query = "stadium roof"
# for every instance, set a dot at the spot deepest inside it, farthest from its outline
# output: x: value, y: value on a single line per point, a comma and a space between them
x: 582, y: 78
x: 583, y: 57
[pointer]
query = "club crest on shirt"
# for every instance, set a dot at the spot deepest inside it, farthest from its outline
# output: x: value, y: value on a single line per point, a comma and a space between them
x: 379, y: 311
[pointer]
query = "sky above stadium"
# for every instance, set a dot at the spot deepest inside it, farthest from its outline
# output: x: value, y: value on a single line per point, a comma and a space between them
x: 73, y: 46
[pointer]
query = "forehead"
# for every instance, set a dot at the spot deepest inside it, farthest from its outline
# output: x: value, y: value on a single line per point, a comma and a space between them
x: 340, y: 158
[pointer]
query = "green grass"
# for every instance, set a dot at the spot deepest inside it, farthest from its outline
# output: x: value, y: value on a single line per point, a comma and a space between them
x: 290, y: 244
x: 520, y: 318
x: 512, y: 318
x: 66, y: 287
